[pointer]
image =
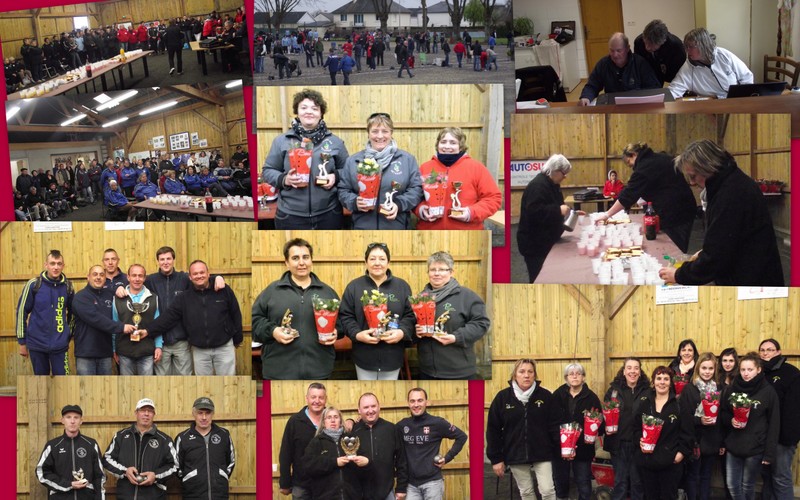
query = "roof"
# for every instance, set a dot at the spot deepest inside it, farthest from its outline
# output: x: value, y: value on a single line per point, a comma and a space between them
x: 367, y: 7
x: 288, y: 18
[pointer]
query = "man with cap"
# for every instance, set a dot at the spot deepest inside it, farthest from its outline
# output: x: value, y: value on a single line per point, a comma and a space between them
x: 141, y: 457
x: 299, y: 431
x: 70, y: 466
x: 205, y: 455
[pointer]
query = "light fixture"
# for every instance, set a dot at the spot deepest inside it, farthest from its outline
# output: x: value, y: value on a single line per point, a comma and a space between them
x: 234, y: 83
x: 115, y: 101
x: 74, y: 119
x: 114, y: 122
x: 158, y: 108
x: 10, y: 112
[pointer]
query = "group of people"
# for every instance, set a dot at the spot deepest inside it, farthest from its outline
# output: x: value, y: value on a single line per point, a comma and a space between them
x: 140, y: 456
x: 524, y: 421
x: 467, y: 192
x: 402, y: 460
x: 146, y: 323
x: 283, y: 320
x: 739, y: 245
x: 694, y: 66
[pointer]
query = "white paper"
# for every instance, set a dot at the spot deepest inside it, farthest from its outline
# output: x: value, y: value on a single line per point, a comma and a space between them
x: 675, y: 294
x: 645, y: 99
x: 52, y: 227
x: 761, y: 292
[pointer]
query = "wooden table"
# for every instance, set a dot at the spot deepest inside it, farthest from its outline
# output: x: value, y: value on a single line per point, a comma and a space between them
x: 99, y: 73
x: 603, y: 204
x: 199, y: 212
x: 201, y: 53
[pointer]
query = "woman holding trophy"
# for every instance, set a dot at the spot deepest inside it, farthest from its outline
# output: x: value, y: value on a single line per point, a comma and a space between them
x: 304, y: 165
x: 381, y: 184
x: 460, y: 193
x: 376, y: 314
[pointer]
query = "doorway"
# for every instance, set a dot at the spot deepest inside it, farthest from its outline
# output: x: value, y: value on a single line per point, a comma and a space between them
x: 601, y: 19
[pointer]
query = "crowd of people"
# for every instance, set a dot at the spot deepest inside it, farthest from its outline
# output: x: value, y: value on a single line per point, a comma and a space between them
x: 145, y: 323
x: 524, y: 422
x: 466, y: 193
x: 284, y: 320
x: 388, y: 460
x: 71, y: 465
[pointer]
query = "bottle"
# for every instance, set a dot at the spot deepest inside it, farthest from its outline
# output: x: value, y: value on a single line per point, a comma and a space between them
x: 650, y: 222
x: 209, y: 201
x: 89, y: 70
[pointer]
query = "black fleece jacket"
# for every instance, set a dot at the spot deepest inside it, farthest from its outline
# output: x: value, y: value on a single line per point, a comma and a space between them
x: 785, y: 379
x: 298, y: 433
x: 570, y: 409
x: 676, y: 433
x: 760, y: 435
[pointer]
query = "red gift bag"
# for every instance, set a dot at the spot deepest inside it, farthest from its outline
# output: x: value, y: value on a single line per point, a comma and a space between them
x: 326, y: 323
x: 375, y: 314
x: 569, y: 438
x: 612, y: 420
x: 591, y: 426
x: 368, y: 187
x: 423, y: 318
x: 435, y: 196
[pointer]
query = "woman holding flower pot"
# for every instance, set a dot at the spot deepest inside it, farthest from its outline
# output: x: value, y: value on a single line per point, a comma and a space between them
x: 683, y: 364
x: 729, y: 367
x: 377, y: 349
x: 660, y: 456
x: 460, y: 193
x: 381, y: 184
x: 751, y: 416
x: 575, y: 402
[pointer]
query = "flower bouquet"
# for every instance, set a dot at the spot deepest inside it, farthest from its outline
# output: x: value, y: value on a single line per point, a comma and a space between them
x: 375, y: 308
x: 710, y: 404
x: 435, y: 189
x: 591, y: 425
x: 651, y: 430
x: 300, y: 161
x: 325, y: 313
x: 369, y: 180
x: 680, y: 380
x: 741, y: 403
x: 569, y: 434
x: 611, y: 415
x: 424, y: 308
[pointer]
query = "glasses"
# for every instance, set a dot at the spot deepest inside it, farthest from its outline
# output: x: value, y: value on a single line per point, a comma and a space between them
x: 379, y: 115
x: 440, y: 270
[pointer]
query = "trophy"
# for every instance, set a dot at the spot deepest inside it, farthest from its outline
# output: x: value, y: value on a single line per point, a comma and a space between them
x: 388, y: 322
x: 350, y: 445
x: 456, y: 209
x: 78, y: 475
x: 286, y: 324
x: 386, y: 206
x: 438, y: 326
x: 322, y: 177
x: 137, y: 308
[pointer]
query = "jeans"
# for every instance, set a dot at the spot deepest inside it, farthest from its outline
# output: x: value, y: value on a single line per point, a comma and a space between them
x: 176, y: 359
x: 698, y: 477
x: 93, y: 366
x: 544, y: 479
x: 741, y: 474
x: 259, y: 60
x: 333, y: 77
x: 332, y: 219
x: 136, y: 366
x: 778, y: 481
x: 446, y: 59
x: 582, y: 475
x: 376, y: 375
x: 86, y: 193
x: 404, y: 65
x: 214, y: 360
x: 459, y: 56
x: 45, y: 363
x: 432, y: 490
x: 624, y: 470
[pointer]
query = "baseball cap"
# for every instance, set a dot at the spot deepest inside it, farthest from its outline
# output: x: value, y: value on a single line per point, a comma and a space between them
x: 203, y: 403
x: 71, y: 409
x: 145, y: 402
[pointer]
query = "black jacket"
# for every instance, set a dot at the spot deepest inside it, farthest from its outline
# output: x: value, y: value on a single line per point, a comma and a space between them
x: 331, y: 482
x: 152, y: 451
x: 637, y: 74
x: 205, y: 467
x: 740, y: 246
x: 570, y: 409
x: 708, y: 437
x: 168, y: 288
x: 422, y: 437
x: 518, y: 433
x: 667, y: 60
x: 627, y: 398
x: 760, y: 435
x: 676, y: 433
x: 298, y: 433
x: 785, y: 379
x: 63, y: 455
x: 173, y: 37
x: 93, y: 324
x: 540, y: 219
x: 382, y: 445
x: 380, y: 356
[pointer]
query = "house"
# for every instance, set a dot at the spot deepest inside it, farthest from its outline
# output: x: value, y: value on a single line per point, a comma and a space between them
x: 438, y: 17
x: 361, y: 14
x: 291, y: 20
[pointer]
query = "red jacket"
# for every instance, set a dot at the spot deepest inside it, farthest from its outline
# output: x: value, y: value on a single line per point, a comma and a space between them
x: 479, y: 192
x: 208, y: 27
x: 612, y: 189
x: 122, y: 35
x: 141, y: 33
x: 347, y: 48
x: 459, y: 48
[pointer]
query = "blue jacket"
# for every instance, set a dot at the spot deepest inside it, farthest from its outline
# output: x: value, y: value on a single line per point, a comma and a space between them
x: 192, y: 181
x: 128, y: 176
x: 114, y: 198
x: 105, y: 176
x: 346, y: 64
x: 93, y: 324
x: 142, y: 191
x: 44, y: 316
x: 174, y: 186
x: 207, y: 180
x: 332, y: 63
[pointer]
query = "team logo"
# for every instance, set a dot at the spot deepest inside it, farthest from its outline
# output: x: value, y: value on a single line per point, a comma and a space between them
x: 326, y: 145
x: 673, y: 418
x: 81, y: 452
x: 396, y: 168
x: 153, y: 443
x: 191, y: 437
x: 62, y: 450
x: 426, y: 430
x: 405, y: 430
x: 509, y: 406
x: 538, y: 403
x: 215, y: 439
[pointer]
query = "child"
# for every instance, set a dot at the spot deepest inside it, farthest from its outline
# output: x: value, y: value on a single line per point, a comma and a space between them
x: 612, y: 187
x: 332, y: 63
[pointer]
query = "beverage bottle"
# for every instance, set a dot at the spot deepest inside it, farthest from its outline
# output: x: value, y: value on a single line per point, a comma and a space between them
x: 650, y: 222
x: 209, y: 201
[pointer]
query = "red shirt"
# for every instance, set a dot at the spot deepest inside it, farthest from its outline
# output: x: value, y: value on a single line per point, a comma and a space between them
x: 612, y: 189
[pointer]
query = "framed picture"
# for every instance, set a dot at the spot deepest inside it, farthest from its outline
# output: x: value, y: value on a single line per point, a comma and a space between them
x: 195, y: 138
x: 159, y: 142
x: 179, y: 142
x: 203, y: 143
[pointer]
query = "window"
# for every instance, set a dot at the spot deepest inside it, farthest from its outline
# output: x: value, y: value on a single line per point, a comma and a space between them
x: 80, y: 23
x: 343, y: 17
x: 358, y: 18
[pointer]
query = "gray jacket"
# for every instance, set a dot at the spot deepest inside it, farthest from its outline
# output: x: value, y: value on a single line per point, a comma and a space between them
x: 402, y: 169
x: 312, y: 200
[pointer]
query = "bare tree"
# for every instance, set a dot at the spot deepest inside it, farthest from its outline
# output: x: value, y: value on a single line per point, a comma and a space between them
x: 276, y: 10
x: 424, y: 15
x: 488, y: 15
x: 382, y: 9
x: 456, y: 10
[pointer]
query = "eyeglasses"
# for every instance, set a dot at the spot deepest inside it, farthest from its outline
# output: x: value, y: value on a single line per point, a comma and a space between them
x: 381, y: 115
x: 441, y: 270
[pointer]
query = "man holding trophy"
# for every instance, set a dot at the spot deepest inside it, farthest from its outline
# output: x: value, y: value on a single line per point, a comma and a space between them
x: 136, y: 352
x: 70, y: 466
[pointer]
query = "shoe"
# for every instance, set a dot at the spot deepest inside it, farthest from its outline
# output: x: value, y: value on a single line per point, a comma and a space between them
x: 180, y: 72
x: 171, y: 70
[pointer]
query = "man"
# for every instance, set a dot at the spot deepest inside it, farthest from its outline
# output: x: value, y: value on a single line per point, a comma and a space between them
x: 283, y: 319
x: 300, y: 429
x: 36, y: 205
x: 205, y: 455
x: 403, y: 53
x: 212, y: 319
x: 785, y: 379
x: 115, y: 278
x: 24, y: 181
x: 115, y: 199
x: 107, y: 175
x: 136, y: 352
x: 94, y: 327
x: 383, y: 446
x: 141, y: 457
x: 70, y: 466
x: 44, y: 318
x: 619, y: 71
x: 422, y: 434
x: 661, y: 49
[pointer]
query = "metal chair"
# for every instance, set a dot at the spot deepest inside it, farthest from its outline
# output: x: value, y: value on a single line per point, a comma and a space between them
x: 781, y: 67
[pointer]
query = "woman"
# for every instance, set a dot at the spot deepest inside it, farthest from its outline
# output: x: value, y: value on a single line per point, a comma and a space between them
x: 377, y: 358
x: 144, y: 188
x: 684, y: 361
x: 541, y: 219
x: 519, y: 433
x: 729, y: 363
x: 707, y: 430
x: 336, y: 475
x: 739, y: 246
x: 479, y: 196
x: 627, y: 387
x: 571, y: 400
x: 661, y: 468
x: 210, y: 182
x: 655, y: 179
x: 448, y: 354
x: 173, y: 185
x: 192, y: 181
x: 613, y: 186
x: 749, y: 447
x: 302, y: 202
x: 709, y: 70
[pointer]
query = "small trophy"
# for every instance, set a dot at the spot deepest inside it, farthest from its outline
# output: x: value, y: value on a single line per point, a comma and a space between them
x: 350, y: 445
x: 438, y: 459
x: 322, y: 177
x: 286, y: 324
x: 456, y: 210
x: 137, y: 308
x: 386, y: 206
x: 78, y: 475
x: 438, y: 326
x: 140, y: 478
x: 388, y: 322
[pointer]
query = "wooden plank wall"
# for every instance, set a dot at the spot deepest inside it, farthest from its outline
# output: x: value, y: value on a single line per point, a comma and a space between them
x: 23, y: 254
x: 447, y: 399
x: 40, y: 400
x: 593, y: 143
x: 339, y: 258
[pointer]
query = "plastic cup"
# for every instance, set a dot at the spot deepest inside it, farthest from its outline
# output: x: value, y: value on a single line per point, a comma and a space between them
x: 596, y: 265
x: 581, y: 248
x: 591, y: 250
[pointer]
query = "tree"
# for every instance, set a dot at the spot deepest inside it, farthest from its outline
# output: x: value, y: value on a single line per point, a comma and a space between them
x: 488, y: 14
x: 424, y: 15
x: 523, y: 26
x: 382, y: 9
x: 473, y: 12
x: 277, y: 10
x: 456, y: 10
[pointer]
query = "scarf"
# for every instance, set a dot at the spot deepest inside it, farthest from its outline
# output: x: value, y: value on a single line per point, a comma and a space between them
x: 334, y: 434
x: 523, y: 396
x: 444, y: 292
x: 749, y: 388
x: 703, y: 387
x: 448, y: 159
x: 316, y: 135
x: 382, y: 157
x: 773, y: 363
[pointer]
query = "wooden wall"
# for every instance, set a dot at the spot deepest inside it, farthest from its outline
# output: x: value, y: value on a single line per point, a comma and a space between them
x: 40, y: 400
x: 339, y: 259
x: 142, y: 10
x: 447, y: 399
x: 593, y: 143
x: 23, y: 253
x: 419, y: 112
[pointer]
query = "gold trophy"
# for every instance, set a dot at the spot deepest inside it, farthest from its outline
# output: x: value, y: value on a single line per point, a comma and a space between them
x: 438, y: 326
x: 322, y: 177
x: 350, y: 445
x: 386, y: 206
x: 286, y: 324
x: 137, y: 308
x: 388, y: 322
x: 79, y: 476
x: 456, y: 210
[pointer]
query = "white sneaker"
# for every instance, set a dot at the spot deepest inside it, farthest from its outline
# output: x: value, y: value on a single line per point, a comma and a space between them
x: 171, y: 70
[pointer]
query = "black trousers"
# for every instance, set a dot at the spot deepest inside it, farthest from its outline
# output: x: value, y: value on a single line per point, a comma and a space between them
x: 171, y: 53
